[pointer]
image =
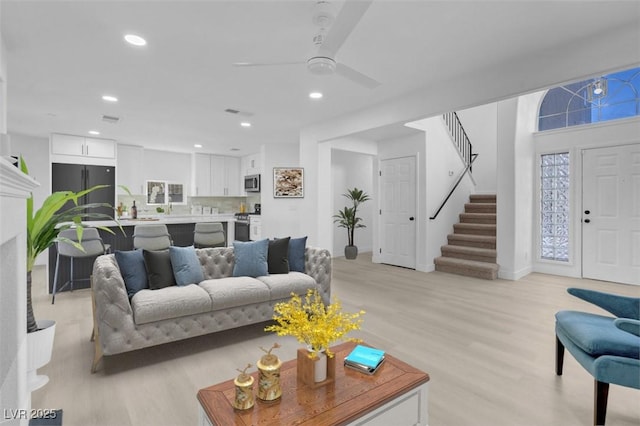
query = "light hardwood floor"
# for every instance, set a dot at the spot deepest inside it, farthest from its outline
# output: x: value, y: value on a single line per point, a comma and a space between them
x: 487, y: 345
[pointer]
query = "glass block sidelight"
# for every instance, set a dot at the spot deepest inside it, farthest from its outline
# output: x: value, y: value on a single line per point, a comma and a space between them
x: 554, y: 207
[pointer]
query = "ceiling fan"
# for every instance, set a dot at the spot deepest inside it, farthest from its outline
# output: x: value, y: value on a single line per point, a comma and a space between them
x: 332, y: 33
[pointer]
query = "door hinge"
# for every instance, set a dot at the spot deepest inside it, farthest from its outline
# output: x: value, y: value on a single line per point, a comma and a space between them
x: 380, y: 250
x: 380, y: 211
x: 380, y: 172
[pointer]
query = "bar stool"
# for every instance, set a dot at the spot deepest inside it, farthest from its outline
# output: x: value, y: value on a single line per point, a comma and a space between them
x: 91, y: 243
x: 208, y: 234
x: 151, y: 237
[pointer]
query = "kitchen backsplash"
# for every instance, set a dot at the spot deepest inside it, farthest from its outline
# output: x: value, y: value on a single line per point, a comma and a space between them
x: 224, y: 205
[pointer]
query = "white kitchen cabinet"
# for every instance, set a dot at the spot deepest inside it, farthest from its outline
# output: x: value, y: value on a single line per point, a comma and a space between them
x: 251, y: 165
x: 129, y: 170
x: 233, y: 178
x: 202, y: 172
x: 216, y: 175
x: 82, y: 147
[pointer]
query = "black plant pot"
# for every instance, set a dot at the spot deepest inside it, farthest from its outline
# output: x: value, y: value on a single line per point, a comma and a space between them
x: 350, y: 252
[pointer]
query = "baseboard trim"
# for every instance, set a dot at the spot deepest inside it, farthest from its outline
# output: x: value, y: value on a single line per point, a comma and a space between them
x: 507, y: 274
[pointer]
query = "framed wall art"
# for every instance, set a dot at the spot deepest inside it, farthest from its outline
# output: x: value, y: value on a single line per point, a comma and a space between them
x: 288, y: 182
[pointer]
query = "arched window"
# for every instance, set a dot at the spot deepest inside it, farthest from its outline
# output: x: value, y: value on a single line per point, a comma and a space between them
x: 604, y: 98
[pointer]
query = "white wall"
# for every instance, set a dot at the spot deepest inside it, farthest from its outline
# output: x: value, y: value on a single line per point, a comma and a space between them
x: 443, y: 168
x: 349, y: 170
x: 480, y: 124
x: 515, y: 195
x: 280, y: 216
x: 36, y: 154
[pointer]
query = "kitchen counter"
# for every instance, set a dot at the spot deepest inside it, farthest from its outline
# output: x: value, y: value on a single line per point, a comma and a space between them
x: 180, y: 228
x: 165, y: 219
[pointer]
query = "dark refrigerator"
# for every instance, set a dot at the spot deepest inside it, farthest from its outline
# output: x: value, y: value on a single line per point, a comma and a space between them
x: 78, y: 177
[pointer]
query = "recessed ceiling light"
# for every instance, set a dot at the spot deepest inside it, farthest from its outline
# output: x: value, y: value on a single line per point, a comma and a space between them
x: 136, y: 40
x: 94, y: 132
x: 109, y: 98
x: 315, y: 95
x: 245, y: 124
x: 197, y: 145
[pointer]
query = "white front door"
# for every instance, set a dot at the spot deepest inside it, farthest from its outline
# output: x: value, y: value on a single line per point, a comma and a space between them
x: 398, y: 212
x: 611, y: 214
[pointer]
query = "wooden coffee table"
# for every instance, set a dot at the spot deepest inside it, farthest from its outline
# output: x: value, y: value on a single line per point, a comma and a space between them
x: 396, y: 394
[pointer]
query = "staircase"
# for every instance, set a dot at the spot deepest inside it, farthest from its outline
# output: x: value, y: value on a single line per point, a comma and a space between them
x: 472, y: 246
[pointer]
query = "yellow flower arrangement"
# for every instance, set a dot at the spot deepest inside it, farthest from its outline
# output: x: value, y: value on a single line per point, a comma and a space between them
x: 313, y: 323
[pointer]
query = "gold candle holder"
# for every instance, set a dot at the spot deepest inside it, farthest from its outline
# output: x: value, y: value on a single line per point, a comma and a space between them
x: 244, y: 390
x: 269, y: 375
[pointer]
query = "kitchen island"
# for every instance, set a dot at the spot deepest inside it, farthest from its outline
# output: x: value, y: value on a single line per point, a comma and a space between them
x: 180, y: 228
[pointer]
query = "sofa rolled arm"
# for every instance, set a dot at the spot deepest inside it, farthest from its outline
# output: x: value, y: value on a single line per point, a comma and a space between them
x: 113, y: 309
x: 629, y: 325
x: 620, y: 306
x: 317, y: 264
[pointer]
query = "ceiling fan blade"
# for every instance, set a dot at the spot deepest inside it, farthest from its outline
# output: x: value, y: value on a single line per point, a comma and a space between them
x: 351, y: 13
x: 356, y: 76
x: 265, y: 64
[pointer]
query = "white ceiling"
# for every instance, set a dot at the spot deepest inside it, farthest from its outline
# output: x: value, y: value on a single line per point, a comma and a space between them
x: 63, y: 56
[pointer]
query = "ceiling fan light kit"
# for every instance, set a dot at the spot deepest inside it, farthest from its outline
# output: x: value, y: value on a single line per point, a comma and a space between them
x: 320, y: 65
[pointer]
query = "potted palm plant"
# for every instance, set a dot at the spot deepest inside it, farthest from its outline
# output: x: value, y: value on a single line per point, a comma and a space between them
x: 43, y: 229
x: 348, y: 218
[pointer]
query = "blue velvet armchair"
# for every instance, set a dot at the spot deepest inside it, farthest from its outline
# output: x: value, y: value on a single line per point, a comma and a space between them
x: 607, y: 347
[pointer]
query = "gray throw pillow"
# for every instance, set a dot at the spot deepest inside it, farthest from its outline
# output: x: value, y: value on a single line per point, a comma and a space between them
x: 159, y: 270
x: 278, y: 256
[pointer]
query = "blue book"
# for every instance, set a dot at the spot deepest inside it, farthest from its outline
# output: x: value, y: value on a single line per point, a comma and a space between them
x: 364, y: 359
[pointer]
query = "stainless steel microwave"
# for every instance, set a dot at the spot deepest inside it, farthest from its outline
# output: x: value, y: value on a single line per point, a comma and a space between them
x: 252, y: 183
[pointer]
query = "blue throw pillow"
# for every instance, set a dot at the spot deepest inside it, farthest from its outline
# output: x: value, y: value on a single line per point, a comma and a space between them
x: 251, y: 258
x: 131, y: 264
x: 296, y: 254
x: 185, y: 264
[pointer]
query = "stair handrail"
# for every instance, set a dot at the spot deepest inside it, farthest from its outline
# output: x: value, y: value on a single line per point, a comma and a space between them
x: 459, y: 136
x: 464, y: 172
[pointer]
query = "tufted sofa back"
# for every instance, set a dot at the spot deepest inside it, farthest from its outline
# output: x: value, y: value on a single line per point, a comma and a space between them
x: 216, y: 262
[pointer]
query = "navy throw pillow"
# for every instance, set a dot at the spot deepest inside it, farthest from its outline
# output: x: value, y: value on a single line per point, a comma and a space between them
x: 131, y: 264
x: 296, y: 254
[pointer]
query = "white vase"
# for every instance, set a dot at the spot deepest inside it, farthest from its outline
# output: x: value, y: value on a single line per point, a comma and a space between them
x: 39, y: 349
x: 320, y: 367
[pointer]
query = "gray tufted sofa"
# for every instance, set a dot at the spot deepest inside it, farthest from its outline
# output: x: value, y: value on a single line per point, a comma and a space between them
x: 220, y: 302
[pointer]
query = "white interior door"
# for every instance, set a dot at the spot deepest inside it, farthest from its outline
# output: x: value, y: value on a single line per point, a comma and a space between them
x: 611, y: 214
x: 398, y: 212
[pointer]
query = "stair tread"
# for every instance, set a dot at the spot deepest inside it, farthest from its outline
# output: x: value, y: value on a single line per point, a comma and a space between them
x: 478, y: 214
x: 472, y: 237
x: 475, y: 225
x: 476, y: 196
x: 467, y: 249
x: 465, y: 263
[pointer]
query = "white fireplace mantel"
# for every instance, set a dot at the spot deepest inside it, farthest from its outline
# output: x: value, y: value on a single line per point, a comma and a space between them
x: 15, y: 188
